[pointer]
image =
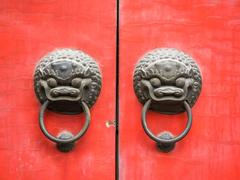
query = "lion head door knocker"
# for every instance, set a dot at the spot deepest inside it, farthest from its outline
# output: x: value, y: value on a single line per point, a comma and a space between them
x: 168, y: 81
x: 66, y: 81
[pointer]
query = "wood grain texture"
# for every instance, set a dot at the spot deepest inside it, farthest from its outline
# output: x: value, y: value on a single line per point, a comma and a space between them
x: 28, y: 30
x: 210, y: 32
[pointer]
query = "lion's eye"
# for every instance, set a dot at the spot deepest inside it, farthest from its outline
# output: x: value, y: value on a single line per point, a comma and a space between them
x: 180, y: 82
x: 155, y: 82
x: 52, y: 82
x: 76, y: 82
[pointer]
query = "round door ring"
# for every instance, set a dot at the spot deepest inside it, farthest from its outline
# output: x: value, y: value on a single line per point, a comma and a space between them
x: 166, y: 140
x: 64, y: 140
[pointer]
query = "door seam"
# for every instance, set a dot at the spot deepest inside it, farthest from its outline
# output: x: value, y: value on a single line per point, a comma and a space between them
x: 117, y: 94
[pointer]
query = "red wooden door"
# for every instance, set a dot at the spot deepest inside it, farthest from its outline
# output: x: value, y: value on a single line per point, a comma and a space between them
x: 206, y: 30
x: 209, y: 31
x: 29, y: 29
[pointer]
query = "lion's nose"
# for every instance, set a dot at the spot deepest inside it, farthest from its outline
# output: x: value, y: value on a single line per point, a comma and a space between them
x: 64, y: 91
x: 168, y: 91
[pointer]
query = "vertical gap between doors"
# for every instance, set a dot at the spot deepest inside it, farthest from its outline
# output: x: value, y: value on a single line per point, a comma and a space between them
x: 117, y: 94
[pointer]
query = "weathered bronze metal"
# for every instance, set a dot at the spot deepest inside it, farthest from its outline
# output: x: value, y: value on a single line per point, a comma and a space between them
x: 168, y: 77
x: 65, y: 147
x: 66, y: 81
x: 165, y: 147
x: 64, y: 142
x: 65, y: 77
x: 166, y: 141
x: 168, y: 81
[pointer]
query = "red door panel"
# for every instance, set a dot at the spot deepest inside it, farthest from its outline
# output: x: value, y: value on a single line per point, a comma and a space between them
x: 209, y: 31
x: 30, y: 29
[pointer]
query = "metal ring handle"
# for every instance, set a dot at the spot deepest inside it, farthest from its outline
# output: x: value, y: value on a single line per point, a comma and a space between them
x: 58, y: 140
x: 174, y: 139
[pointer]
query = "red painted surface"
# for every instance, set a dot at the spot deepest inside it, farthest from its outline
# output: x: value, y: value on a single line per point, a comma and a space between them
x: 210, y: 32
x: 28, y: 30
